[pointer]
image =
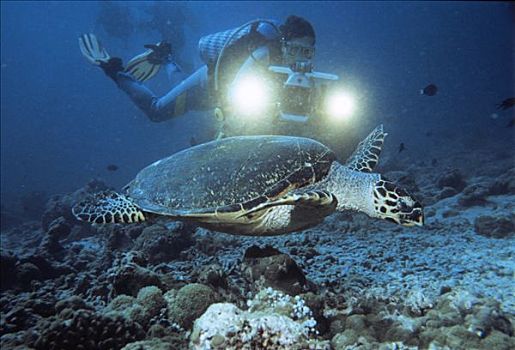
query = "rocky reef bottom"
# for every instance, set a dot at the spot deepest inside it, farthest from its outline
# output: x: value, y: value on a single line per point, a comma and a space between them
x: 350, y: 283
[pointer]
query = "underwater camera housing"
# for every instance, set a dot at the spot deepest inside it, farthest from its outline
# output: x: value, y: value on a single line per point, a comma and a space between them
x: 298, y: 98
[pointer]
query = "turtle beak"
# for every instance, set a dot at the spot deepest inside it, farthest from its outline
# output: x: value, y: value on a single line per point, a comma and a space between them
x: 415, y: 218
x: 419, y: 220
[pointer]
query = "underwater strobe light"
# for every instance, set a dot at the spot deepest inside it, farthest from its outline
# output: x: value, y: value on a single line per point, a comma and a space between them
x: 340, y: 105
x: 250, y: 96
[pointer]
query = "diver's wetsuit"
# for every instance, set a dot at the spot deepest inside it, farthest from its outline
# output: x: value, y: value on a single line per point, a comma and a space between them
x: 195, y: 92
x: 190, y: 94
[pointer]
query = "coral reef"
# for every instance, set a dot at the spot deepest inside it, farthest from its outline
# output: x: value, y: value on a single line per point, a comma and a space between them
x: 457, y: 321
x: 7, y: 270
x: 496, y: 227
x: 453, y: 179
x: 273, y: 321
x: 268, y: 267
x: 129, y: 274
x: 404, y: 179
x: 87, y: 330
x: 350, y: 283
x: 213, y: 275
x: 188, y: 303
x: 475, y: 194
x: 162, y: 244
x: 141, y: 309
x: 154, y: 344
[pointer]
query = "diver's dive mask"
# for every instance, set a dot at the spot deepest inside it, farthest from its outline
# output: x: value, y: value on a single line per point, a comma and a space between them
x: 297, y: 50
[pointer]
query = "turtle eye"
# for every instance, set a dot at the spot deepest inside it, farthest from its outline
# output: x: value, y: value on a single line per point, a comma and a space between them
x: 406, y: 204
x: 403, y: 206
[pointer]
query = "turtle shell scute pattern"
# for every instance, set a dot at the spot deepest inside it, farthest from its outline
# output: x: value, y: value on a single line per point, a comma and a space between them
x: 229, y: 175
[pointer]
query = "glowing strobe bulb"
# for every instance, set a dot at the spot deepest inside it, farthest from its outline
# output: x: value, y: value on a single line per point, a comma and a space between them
x: 249, y: 96
x: 341, y: 105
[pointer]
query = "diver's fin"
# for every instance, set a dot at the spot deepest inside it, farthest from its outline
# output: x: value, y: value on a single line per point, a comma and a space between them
x: 141, y: 68
x: 146, y: 65
x: 108, y: 207
x: 366, y: 155
x: 92, y: 49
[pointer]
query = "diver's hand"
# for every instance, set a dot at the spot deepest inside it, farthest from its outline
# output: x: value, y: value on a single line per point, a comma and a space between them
x: 507, y: 103
x: 112, y: 66
x: 161, y: 52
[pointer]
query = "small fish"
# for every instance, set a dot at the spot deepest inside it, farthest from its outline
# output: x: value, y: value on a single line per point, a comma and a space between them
x: 429, y: 90
x: 507, y: 103
x: 511, y: 123
x: 193, y: 141
x: 112, y: 167
x: 401, y: 147
x: 434, y: 162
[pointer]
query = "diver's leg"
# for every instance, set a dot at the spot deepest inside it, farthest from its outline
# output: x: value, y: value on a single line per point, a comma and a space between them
x: 190, y: 94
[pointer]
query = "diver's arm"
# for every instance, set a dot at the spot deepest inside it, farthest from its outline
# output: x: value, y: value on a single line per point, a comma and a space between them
x: 258, y: 60
x: 190, y: 94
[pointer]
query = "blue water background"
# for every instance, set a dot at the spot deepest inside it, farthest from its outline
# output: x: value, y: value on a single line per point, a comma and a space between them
x: 63, y: 121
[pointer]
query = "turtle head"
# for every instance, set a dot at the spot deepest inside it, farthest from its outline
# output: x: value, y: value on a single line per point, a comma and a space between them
x: 395, y: 204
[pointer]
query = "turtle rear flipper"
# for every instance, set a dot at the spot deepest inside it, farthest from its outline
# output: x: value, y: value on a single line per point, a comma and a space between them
x: 366, y: 155
x: 264, y: 216
x: 253, y: 210
x: 310, y: 199
x: 108, y: 207
x: 306, y: 209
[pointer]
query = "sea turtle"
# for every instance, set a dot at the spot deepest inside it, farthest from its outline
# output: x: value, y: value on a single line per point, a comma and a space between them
x: 257, y: 185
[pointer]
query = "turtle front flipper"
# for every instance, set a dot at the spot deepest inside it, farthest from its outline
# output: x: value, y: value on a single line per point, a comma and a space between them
x: 366, y: 155
x: 108, y: 207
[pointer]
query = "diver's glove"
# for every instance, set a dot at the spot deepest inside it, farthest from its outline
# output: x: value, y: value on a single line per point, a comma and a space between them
x: 146, y: 65
x: 97, y: 55
x: 112, y: 66
x: 161, y: 52
x: 507, y: 103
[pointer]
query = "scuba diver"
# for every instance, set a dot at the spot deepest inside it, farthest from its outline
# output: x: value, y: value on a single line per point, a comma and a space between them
x: 233, y: 58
